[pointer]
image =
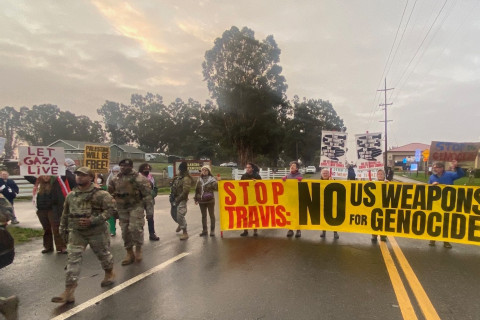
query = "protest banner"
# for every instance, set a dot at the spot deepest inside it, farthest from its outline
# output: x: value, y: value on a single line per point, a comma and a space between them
x: 369, y: 155
x: 333, y: 153
x: 429, y: 212
x: 465, y: 153
x: 194, y: 166
x: 39, y: 161
x: 97, y: 158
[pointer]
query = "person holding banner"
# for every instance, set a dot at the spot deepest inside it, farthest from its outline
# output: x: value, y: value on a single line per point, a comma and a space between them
x: 440, y: 176
x: 294, y: 174
x: 251, y: 173
x: 132, y: 193
x: 380, y: 177
x: 145, y: 170
x: 49, y: 194
x: 325, y: 175
x: 206, y: 185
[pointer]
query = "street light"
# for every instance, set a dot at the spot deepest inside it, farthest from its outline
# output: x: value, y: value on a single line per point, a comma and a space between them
x: 301, y: 131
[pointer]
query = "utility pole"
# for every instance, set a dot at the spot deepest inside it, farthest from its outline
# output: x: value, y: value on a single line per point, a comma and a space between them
x: 385, y: 158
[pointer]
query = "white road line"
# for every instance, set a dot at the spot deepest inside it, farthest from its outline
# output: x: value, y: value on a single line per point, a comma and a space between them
x: 118, y: 288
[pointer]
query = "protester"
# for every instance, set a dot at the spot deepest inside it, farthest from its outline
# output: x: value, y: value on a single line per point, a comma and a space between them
x: 112, y: 221
x: 83, y: 223
x: 145, y: 169
x: 10, y: 190
x: 204, y: 197
x: 380, y: 177
x: 8, y: 306
x: 179, y: 197
x: 440, y: 176
x: 69, y: 177
x: 132, y: 193
x: 351, y: 175
x: 49, y: 193
x: 294, y: 174
x: 325, y: 175
x: 251, y: 173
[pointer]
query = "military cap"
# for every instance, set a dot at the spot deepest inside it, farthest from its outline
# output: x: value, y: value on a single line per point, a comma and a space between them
x: 85, y: 170
x: 127, y: 162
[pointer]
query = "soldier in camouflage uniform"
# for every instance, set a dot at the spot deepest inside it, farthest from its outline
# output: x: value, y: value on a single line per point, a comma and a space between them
x: 83, y: 222
x: 179, y: 194
x: 132, y: 193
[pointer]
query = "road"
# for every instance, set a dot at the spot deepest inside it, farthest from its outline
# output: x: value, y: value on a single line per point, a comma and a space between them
x: 267, y: 277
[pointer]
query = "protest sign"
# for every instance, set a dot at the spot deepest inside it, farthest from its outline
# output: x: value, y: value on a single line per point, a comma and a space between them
x: 39, y: 161
x: 97, y: 158
x: 429, y: 212
x: 194, y: 166
x: 465, y: 153
x: 333, y: 153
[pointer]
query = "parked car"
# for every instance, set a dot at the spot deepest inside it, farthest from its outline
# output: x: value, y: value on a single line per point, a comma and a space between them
x: 310, y: 169
x: 228, y: 164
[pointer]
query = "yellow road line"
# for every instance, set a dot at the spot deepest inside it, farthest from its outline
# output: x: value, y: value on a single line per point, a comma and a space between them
x: 402, y: 296
x: 424, y: 302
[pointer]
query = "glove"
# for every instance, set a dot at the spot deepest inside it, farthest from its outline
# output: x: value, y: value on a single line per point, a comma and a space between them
x: 299, y: 179
x: 284, y: 178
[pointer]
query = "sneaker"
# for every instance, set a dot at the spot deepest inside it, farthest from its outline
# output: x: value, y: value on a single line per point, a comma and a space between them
x: 212, y: 233
x: 374, y: 238
x: 255, y: 234
x: 383, y: 238
x: 431, y: 243
x: 322, y: 235
x: 47, y: 250
x: 203, y: 234
x: 290, y: 233
x: 335, y: 235
x: 447, y: 245
x: 244, y: 233
x: 154, y: 237
x: 298, y: 234
x: 15, y: 221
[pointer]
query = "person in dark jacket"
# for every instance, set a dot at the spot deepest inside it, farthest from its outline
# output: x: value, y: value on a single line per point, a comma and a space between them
x: 351, y: 173
x: 10, y: 190
x: 49, y: 197
x: 69, y: 177
x: 251, y: 173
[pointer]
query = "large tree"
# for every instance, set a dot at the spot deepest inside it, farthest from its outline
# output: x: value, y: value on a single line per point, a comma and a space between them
x: 244, y: 77
x: 46, y: 123
x: 8, y: 129
x: 304, y: 128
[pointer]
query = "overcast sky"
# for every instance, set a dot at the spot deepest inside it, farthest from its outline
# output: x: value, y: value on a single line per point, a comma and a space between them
x: 78, y: 54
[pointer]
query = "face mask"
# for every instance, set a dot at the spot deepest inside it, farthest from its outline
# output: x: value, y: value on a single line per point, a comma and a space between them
x: 146, y: 173
x: 72, y: 168
x: 99, y: 181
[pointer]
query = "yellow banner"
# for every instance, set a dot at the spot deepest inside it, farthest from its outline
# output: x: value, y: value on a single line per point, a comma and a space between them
x: 97, y: 158
x: 430, y: 212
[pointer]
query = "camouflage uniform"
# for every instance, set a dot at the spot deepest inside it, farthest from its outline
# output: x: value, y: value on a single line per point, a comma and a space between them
x: 94, y: 203
x: 132, y: 193
x: 180, y: 189
x: 6, y: 210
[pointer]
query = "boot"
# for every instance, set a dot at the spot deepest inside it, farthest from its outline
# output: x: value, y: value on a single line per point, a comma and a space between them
x: 184, y: 236
x: 178, y: 229
x: 138, y: 253
x: 322, y: 235
x: 67, y: 295
x: 109, y: 278
x: 9, y: 308
x: 129, y: 258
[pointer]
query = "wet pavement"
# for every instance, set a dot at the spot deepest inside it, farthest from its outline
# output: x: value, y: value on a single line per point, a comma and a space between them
x: 264, y: 277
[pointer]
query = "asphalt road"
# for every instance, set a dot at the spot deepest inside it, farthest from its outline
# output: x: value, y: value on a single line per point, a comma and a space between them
x: 265, y: 277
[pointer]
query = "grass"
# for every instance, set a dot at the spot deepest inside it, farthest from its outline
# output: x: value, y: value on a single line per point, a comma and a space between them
x: 22, y: 235
x: 465, y: 181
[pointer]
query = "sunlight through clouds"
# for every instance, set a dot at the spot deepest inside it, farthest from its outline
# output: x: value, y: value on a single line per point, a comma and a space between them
x: 130, y: 23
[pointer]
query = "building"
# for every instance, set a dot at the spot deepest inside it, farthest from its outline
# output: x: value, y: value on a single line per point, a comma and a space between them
x: 75, y: 150
x: 396, y: 156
